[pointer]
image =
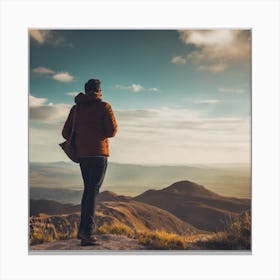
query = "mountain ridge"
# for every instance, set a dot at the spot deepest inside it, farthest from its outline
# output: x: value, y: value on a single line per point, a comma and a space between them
x: 129, y: 179
x: 112, y: 208
x: 195, y: 204
x: 189, y: 202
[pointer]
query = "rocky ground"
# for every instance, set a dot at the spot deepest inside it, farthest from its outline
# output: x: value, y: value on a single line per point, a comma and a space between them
x: 109, y: 242
x: 105, y: 242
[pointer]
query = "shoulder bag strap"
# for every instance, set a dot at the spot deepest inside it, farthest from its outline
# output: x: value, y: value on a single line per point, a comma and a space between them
x: 74, y: 122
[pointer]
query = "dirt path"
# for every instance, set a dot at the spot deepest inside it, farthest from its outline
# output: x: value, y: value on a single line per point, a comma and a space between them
x: 106, y: 242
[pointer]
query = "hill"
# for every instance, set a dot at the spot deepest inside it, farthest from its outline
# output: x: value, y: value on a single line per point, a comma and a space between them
x: 141, y: 217
x: 237, y: 236
x: 196, y: 205
x: 185, y: 200
x: 177, y: 217
x: 51, y: 207
x: 111, y: 196
x: 132, y: 179
x: 57, y: 220
x: 56, y: 194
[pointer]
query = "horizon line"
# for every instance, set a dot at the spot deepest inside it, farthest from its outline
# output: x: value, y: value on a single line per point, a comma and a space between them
x: 153, y: 164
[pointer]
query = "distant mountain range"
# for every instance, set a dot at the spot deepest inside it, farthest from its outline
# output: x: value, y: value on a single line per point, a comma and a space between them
x: 183, y: 207
x: 48, y: 180
x: 57, y: 194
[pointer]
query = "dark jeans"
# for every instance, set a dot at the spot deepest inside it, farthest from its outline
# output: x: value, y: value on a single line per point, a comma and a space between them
x: 93, y: 171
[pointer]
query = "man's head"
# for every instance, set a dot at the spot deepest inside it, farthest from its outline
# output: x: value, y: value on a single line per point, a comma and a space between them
x: 92, y: 86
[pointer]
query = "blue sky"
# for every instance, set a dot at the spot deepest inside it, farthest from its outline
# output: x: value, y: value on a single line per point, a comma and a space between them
x: 180, y: 96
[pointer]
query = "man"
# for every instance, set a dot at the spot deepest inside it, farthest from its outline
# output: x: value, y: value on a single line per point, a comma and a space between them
x: 95, y: 123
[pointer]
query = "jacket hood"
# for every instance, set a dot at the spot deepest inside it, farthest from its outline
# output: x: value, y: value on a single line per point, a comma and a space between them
x: 85, y: 98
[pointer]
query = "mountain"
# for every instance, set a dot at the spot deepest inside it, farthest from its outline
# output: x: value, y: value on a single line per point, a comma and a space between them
x: 111, y: 196
x: 141, y: 216
x: 195, y: 204
x: 69, y: 196
x: 57, y: 194
x: 186, y: 209
x: 132, y: 179
x: 185, y: 201
x: 51, y: 207
x: 111, y: 209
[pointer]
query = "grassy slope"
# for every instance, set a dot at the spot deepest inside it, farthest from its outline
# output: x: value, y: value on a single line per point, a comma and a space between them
x: 151, y: 225
x: 237, y: 235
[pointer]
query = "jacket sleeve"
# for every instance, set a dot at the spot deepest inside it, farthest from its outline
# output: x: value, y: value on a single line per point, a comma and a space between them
x: 67, y: 128
x: 110, y: 123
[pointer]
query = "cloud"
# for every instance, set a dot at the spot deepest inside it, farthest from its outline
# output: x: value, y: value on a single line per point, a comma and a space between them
x: 216, y: 50
x: 152, y: 136
x: 40, y: 110
x: 231, y: 90
x: 203, y: 101
x: 207, y: 37
x: 179, y: 60
x: 43, y: 70
x: 64, y: 77
x: 152, y: 89
x: 209, y: 101
x: 214, y: 68
x: 179, y: 136
x: 214, y: 44
x: 173, y: 119
x: 51, y: 37
x: 40, y: 36
x: 35, y: 101
x: 72, y: 93
x: 136, y: 88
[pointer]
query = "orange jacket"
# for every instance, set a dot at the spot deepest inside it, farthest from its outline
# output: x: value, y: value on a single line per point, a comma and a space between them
x: 95, y: 122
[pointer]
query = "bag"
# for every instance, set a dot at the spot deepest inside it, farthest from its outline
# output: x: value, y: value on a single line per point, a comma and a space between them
x: 69, y: 146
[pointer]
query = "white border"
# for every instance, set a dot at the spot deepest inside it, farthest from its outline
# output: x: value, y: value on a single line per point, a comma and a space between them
x: 18, y: 16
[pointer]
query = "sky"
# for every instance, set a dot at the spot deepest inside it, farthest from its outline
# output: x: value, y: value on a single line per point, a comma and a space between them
x: 179, y: 96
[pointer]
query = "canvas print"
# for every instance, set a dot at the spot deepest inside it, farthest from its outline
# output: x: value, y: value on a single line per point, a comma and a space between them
x: 139, y: 140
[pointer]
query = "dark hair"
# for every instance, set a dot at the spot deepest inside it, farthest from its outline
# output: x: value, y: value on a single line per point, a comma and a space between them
x: 92, y: 86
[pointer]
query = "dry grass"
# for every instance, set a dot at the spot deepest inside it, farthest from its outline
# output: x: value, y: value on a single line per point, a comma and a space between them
x: 237, y: 235
x: 153, y: 239
x: 44, y: 230
x: 116, y: 228
x: 162, y: 240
